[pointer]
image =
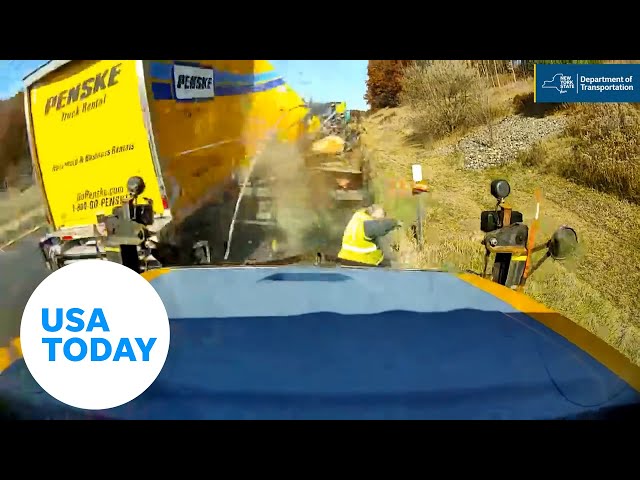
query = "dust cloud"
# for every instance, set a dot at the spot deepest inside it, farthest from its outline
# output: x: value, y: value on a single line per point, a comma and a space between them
x: 306, y: 217
x: 293, y: 195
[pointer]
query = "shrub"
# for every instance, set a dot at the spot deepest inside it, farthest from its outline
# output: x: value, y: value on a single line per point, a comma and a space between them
x: 606, y: 155
x: 536, y: 156
x: 444, y: 96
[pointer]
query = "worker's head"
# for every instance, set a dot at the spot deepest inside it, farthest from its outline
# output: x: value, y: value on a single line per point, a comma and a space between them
x: 376, y: 211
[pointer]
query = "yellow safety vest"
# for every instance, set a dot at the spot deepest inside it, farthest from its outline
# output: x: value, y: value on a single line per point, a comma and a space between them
x: 356, y: 247
x: 314, y: 124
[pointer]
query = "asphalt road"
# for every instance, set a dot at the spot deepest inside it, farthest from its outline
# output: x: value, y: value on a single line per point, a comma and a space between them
x: 21, y: 271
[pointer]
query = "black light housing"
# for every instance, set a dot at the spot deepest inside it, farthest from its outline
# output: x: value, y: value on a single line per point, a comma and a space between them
x: 500, y: 189
x: 563, y: 242
x: 135, y: 186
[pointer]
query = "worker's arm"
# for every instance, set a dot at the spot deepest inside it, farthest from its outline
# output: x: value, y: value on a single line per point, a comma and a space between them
x: 379, y: 228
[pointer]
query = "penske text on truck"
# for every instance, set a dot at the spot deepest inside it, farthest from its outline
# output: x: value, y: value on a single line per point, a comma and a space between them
x: 90, y: 137
x: 184, y: 127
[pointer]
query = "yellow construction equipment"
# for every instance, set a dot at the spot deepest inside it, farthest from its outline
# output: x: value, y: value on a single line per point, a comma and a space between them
x: 330, y: 145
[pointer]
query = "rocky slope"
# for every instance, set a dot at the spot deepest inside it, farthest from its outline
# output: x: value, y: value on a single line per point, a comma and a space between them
x: 503, y: 141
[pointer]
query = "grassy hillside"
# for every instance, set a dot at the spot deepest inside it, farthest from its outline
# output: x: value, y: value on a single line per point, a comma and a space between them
x: 19, y: 210
x: 586, y: 166
x: 14, y: 150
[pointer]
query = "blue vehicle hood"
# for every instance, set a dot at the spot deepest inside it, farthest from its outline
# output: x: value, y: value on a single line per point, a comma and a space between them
x: 315, y: 343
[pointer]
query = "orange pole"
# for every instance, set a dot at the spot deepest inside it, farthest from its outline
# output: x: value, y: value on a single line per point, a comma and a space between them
x: 532, y: 236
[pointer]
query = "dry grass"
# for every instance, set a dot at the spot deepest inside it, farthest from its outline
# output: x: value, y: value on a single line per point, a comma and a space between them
x: 19, y: 212
x: 600, y: 150
x: 596, y: 289
x: 606, y: 155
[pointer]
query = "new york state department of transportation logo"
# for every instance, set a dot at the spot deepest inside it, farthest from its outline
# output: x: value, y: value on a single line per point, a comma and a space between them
x: 562, y: 83
x: 587, y: 83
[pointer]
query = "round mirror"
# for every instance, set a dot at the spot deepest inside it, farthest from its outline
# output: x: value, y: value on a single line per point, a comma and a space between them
x: 135, y: 186
x: 500, y: 189
x: 563, y: 242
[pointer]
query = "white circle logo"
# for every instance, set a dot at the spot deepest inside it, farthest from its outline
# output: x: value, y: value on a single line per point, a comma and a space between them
x: 95, y: 334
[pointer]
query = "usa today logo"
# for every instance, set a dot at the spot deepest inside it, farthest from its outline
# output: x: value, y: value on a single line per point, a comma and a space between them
x: 95, y: 335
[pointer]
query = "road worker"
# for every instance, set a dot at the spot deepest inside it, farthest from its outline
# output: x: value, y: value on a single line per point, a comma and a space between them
x: 361, y: 239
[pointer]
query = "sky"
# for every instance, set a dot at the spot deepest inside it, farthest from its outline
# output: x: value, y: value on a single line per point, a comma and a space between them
x: 11, y: 74
x: 317, y: 80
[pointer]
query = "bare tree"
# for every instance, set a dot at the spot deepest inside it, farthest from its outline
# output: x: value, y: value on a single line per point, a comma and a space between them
x: 495, y: 69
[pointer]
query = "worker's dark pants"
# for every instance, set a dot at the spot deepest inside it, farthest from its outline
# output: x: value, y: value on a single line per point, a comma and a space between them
x: 348, y: 263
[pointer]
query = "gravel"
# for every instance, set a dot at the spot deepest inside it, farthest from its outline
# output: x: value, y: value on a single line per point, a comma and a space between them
x: 510, y: 137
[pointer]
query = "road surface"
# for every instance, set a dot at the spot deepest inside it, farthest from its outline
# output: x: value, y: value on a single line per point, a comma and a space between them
x: 21, y: 271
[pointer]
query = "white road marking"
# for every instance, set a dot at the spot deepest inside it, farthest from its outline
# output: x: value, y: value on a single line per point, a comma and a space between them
x: 20, y: 237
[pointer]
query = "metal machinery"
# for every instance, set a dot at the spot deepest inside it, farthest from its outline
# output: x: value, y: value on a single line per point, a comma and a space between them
x: 125, y: 236
x: 512, y: 242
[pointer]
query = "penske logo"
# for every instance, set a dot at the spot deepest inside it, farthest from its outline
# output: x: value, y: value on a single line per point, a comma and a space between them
x: 84, y: 89
x: 193, y: 82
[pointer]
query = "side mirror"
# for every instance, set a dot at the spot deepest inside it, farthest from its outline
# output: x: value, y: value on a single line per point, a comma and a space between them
x: 500, y: 189
x: 135, y: 186
x: 563, y: 242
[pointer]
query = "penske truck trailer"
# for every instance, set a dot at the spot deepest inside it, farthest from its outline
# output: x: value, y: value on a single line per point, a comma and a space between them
x: 188, y: 129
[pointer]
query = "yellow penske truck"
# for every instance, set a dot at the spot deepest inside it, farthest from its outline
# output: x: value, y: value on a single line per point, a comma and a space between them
x: 125, y: 149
